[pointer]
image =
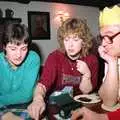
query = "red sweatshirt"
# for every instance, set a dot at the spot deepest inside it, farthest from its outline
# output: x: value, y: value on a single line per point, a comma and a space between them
x: 114, y: 115
x: 60, y: 71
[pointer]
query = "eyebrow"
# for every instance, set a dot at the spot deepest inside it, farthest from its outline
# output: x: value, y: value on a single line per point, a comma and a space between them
x: 17, y: 45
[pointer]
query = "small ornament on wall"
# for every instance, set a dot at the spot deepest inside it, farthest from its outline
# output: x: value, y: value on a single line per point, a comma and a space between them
x: 9, y: 13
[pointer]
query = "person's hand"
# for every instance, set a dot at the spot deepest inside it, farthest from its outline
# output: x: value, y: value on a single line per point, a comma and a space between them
x: 104, y: 54
x: 83, y: 68
x: 86, y: 114
x: 36, y: 109
x: 10, y: 116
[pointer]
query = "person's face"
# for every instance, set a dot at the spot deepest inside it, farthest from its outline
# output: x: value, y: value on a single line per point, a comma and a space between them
x: 111, y: 39
x: 73, y: 45
x: 16, y: 53
x: 39, y: 21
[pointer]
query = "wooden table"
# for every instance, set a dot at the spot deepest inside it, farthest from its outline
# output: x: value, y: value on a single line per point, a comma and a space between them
x: 53, y: 109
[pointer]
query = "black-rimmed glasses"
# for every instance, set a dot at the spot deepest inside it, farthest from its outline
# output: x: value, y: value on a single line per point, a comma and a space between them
x: 109, y: 37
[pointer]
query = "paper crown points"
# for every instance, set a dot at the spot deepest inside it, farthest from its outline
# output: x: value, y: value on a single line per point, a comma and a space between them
x: 110, y: 16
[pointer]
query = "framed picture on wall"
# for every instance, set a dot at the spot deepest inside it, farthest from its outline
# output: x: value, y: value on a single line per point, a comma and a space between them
x: 39, y: 25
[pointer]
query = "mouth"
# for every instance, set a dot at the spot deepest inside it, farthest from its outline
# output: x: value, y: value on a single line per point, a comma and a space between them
x: 18, y: 60
x: 70, y: 50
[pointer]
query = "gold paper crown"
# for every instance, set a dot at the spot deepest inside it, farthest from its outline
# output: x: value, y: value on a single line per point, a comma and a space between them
x: 110, y: 16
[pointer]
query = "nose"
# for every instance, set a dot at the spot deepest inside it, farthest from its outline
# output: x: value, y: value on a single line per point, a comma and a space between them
x: 18, y: 53
x: 70, y: 43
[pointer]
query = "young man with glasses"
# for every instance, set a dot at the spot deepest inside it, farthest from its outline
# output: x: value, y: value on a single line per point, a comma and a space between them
x: 110, y: 51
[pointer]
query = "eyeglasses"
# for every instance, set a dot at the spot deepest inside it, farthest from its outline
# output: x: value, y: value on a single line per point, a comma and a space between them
x: 109, y: 37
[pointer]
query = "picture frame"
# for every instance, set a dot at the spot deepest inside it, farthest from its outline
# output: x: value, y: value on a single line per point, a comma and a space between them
x: 39, y: 25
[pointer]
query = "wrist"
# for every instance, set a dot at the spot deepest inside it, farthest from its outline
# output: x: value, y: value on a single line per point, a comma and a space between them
x: 39, y: 93
x: 87, y: 75
x: 40, y: 90
x: 38, y: 98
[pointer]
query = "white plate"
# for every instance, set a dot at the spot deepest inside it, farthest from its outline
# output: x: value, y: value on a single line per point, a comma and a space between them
x: 112, y: 108
x: 94, y: 98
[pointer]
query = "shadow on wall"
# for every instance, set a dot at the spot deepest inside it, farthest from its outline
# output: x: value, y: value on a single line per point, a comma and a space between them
x: 35, y: 48
x: 96, y: 43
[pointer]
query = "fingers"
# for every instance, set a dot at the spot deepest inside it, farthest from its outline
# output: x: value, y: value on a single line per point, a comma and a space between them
x: 102, y: 50
x: 34, y: 113
x: 37, y: 117
x: 36, y: 109
x: 77, y: 114
x: 82, y: 67
x: 31, y: 111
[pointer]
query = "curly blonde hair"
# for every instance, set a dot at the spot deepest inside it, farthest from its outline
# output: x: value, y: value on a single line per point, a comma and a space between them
x: 76, y: 27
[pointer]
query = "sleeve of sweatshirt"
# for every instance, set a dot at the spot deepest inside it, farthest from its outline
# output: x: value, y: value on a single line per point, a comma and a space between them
x: 115, y: 115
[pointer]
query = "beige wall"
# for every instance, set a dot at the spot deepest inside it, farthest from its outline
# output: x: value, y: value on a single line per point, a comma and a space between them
x: 47, y: 46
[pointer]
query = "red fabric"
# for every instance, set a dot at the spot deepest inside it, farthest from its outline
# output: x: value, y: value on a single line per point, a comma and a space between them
x: 114, y: 115
x: 60, y: 71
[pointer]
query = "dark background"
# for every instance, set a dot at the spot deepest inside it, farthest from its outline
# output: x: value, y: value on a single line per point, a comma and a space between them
x: 95, y: 3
